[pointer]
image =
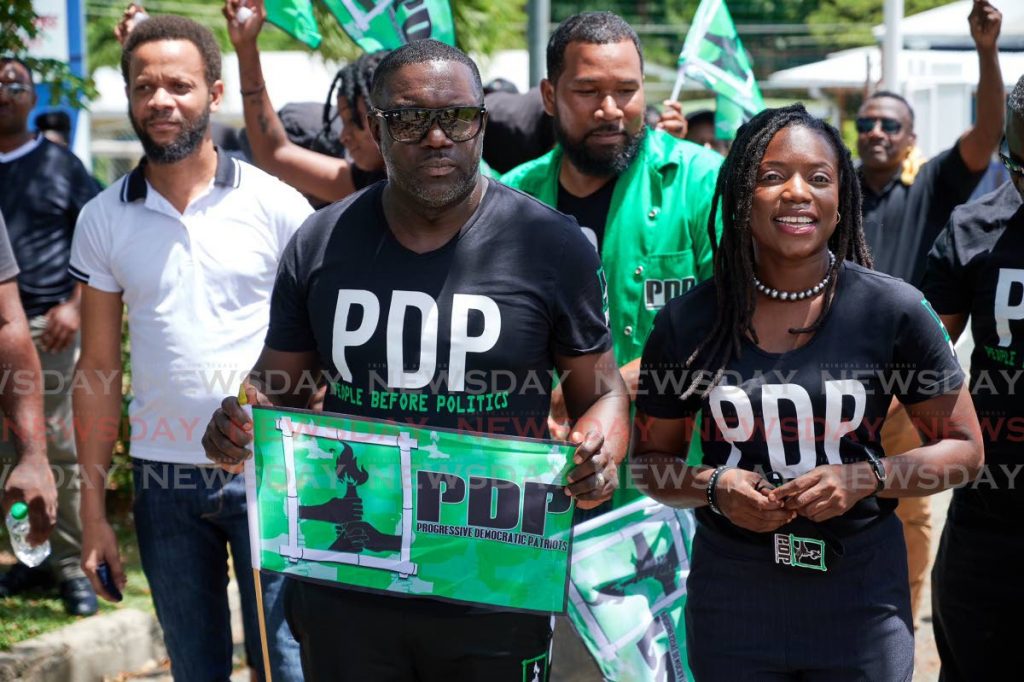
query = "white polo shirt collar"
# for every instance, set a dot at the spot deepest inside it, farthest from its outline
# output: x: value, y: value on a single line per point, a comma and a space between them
x: 135, y: 187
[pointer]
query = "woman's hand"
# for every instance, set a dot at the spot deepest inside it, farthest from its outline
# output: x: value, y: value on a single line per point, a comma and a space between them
x: 826, y: 491
x: 742, y: 498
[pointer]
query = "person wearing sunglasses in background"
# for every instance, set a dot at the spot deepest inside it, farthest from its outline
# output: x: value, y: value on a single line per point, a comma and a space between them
x: 43, y: 187
x: 976, y: 270
x: 906, y: 204
x: 499, y: 285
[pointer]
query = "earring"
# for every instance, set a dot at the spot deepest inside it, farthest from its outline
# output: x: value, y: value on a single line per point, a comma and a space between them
x: 839, y: 218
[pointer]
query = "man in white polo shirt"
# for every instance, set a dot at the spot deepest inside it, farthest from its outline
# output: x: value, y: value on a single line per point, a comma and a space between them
x: 189, y: 242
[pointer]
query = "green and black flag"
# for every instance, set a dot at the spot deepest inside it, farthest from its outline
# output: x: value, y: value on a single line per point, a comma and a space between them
x: 627, y: 591
x: 714, y: 57
x: 386, y: 24
x: 295, y: 17
x: 372, y: 24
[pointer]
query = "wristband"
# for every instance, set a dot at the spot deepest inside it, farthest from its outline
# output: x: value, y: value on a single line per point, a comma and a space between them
x: 712, y: 483
x: 254, y: 91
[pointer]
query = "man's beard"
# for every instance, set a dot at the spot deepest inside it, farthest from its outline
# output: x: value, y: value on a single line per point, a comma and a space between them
x: 187, y: 141
x: 462, y: 184
x: 614, y: 160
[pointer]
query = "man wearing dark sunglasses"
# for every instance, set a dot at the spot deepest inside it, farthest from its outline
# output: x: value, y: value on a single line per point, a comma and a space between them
x: 976, y: 271
x: 905, y: 205
x: 444, y: 285
x: 43, y: 187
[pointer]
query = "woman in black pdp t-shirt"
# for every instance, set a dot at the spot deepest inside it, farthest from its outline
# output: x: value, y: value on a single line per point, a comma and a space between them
x: 792, y: 353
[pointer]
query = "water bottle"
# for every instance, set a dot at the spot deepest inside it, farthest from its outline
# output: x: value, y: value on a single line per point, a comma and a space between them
x: 17, y: 526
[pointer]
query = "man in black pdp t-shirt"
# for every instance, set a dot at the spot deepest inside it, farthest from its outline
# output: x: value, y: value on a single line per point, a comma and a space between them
x: 905, y: 206
x: 438, y: 298
x: 976, y: 270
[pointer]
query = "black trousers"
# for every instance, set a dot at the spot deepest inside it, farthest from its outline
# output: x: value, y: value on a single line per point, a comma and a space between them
x: 348, y: 636
x: 978, y: 600
x: 749, y: 619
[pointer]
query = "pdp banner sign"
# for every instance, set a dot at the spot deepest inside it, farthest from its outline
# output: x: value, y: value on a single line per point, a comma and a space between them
x: 628, y: 591
x: 404, y: 510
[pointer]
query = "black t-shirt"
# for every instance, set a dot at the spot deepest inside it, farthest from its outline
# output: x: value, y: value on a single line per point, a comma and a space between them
x: 461, y: 337
x: 822, y: 403
x: 364, y: 178
x: 518, y: 129
x: 902, y: 221
x: 591, y: 211
x: 977, y: 267
x: 41, y: 195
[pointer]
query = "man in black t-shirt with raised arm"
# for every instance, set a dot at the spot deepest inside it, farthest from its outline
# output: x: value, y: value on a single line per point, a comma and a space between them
x: 451, y: 290
x: 905, y: 206
x: 976, y: 270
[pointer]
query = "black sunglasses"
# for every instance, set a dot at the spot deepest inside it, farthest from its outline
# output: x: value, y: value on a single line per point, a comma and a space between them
x: 865, y: 124
x: 410, y: 126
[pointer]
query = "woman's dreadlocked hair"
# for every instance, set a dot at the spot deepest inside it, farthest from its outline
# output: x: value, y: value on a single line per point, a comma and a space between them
x: 734, y: 256
x: 354, y: 80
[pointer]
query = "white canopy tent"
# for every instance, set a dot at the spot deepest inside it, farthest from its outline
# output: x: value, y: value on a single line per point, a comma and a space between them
x: 946, y: 27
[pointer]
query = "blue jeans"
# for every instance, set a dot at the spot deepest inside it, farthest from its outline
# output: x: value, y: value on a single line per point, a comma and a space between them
x: 185, y: 518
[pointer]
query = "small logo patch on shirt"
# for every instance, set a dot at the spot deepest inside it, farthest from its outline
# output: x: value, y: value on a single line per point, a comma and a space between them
x: 658, y: 292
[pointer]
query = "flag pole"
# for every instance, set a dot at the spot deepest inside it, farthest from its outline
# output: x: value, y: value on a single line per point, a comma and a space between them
x: 252, y: 512
x: 263, y: 624
x: 680, y: 78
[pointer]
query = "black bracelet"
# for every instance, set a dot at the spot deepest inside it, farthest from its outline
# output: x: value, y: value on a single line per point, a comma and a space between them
x: 254, y: 91
x: 712, y: 483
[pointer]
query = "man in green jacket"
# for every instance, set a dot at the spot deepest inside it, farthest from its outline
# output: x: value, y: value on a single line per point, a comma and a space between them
x: 642, y: 196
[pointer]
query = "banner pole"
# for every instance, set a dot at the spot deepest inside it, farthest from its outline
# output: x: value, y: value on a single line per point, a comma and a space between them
x: 680, y: 78
x: 263, y: 624
x: 254, y: 539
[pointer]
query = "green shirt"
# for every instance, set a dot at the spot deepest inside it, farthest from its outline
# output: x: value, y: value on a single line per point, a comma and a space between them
x: 656, y: 243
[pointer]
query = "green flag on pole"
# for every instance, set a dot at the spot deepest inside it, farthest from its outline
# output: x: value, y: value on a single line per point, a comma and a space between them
x: 729, y: 116
x: 295, y: 17
x: 628, y: 590
x: 392, y: 508
x: 386, y: 24
x: 714, y: 57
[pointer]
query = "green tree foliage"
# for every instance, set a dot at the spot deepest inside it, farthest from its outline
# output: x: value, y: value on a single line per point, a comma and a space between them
x: 19, y: 26
x: 857, y: 17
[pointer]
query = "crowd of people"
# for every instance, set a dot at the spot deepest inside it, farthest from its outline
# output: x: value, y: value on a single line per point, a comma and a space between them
x: 746, y: 322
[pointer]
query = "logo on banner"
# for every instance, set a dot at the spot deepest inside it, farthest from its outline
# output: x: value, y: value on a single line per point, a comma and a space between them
x: 346, y: 512
x: 663, y: 569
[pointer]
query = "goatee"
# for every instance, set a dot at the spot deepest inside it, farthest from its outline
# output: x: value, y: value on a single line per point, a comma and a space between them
x: 187, y: 141
x: 615, y: 161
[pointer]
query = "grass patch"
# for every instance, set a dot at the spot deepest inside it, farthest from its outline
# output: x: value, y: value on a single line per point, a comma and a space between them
x: 32, y: 614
